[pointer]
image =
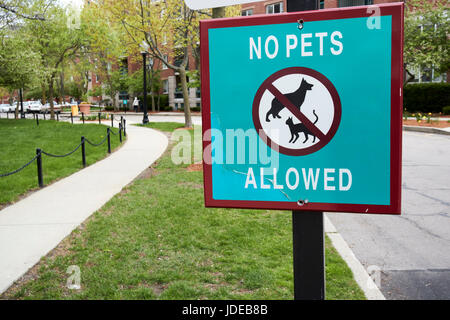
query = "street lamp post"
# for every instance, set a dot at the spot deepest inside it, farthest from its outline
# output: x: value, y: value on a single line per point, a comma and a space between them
x: 144, y: 52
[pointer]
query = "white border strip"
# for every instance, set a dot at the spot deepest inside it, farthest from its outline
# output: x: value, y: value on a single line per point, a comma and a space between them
x: 360, y: 274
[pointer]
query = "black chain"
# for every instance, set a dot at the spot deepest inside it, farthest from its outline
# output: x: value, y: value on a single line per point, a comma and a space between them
x: 96, y: 144
x: 114, y: 133
x: 63, y: 155
x: 20, y: 169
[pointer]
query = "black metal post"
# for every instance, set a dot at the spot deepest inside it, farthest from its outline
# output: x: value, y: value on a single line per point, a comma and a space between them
x: 307, y: 228
x: 22, y: 114
x: 44, y: 114
x: 108, y: 132
x: 39, y: 167
x: 124, y: 127
x: 120, y: 132
x: 99, y: 118
x: 309, y: 255
x: 112, y: 120
x: 82, y: 116
x: 144, y: 71
x: 83, y: 151
x: 37, y: 118
x: 57, y: 115
x: 71, y: 117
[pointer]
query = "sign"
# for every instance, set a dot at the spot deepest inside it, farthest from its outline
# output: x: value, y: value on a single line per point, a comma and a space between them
x: 203, y: 4
x: 304, y: 116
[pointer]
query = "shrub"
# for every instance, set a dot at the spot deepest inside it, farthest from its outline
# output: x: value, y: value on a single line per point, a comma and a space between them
x: 446, y: 110
x: 426, y: 97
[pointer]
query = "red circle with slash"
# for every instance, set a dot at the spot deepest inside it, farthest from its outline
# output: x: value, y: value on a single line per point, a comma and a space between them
x: 324, y: 138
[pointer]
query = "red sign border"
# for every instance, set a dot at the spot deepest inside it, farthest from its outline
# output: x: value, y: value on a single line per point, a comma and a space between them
x: 336, y: 106
x: 393, y: 9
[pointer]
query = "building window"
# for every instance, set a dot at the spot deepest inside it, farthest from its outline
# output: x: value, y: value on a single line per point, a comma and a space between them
x: 427, y: 74
x: 274, y: 8
x: 322, y: 4
x: 165, y: 86
x: 351, y: 3
x: 97, y: 79
x: 248, y: 12
x: 166, y: 58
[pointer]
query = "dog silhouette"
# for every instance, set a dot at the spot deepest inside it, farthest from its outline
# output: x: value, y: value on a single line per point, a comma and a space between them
x: 297, y: 98
x: 300, y: 127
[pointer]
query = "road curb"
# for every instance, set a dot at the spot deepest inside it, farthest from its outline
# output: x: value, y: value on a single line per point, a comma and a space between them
x: 426, y: 130
x: 360, y: 274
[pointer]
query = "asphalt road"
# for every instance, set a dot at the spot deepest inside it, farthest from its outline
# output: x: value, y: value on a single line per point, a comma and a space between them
x: 412, y: 251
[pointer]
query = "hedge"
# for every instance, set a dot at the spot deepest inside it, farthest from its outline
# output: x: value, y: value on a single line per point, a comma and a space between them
x: 426, y: 97
x: 163, y: 102
x: 446, y: 110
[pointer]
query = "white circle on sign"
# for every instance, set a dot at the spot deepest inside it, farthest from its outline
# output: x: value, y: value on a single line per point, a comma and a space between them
x: 298, y: 111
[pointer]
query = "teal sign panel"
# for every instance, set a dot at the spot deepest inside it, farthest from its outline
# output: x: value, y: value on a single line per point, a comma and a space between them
x: 304, y: 116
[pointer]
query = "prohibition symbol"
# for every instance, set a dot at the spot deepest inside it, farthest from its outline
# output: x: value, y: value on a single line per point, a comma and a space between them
x: 296, y: 111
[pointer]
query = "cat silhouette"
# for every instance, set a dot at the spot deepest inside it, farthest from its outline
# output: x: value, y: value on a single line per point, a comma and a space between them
x: 300, y: 127
x: 297, y: 98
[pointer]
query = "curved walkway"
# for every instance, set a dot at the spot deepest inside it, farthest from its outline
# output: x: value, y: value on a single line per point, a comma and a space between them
x: 35, y: 225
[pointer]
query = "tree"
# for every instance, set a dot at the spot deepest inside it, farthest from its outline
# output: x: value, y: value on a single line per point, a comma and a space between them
x: 169, y: 29
x: 156, y: 23
x: 19, y: 65
x: 55, y: 41
x: 12, y: 10
x: 104, y: 48
x: 426, y: 36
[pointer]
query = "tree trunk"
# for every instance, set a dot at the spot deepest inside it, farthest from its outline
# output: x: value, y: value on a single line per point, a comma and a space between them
x: 50, y: 97
x: 153, y: 101
x: 187, y: 108
x: 16, y: 112
x: 44, y: 98
x: 62, y: 93
x: 151, y: 89
x: 159, y: 102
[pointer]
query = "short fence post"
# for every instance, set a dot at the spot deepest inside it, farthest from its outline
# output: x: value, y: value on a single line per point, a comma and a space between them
x: 82, y: 116
x: 71, y: 117
x: 83, y: 151
x: 120, y: 132
x: 39, y: 167
x: 99, y: 118
x: 44, y: 115
x: 124, y: 127
x: 112, y: 121
x: 109, y: 139
x: 57, y: 115
x: 37, y: 118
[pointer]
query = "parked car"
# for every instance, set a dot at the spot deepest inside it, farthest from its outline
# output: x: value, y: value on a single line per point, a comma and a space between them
x: 34, y: 106
x: 5, y: 107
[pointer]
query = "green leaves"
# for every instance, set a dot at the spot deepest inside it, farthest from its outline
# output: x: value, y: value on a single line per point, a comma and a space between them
x: 427, y: 28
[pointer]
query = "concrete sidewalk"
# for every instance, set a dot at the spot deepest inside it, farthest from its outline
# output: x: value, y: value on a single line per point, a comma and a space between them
x: 35, y: 225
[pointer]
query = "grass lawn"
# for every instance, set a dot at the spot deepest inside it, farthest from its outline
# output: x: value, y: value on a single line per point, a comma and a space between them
x: 156, y: 240
x: 19, y: 140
